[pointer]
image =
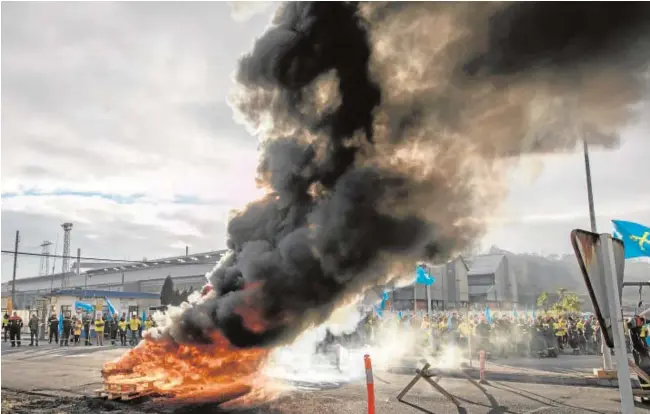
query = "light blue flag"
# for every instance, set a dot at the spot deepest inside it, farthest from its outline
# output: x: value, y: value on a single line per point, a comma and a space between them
x: 379, y: 309
x: 423, y: 277
x: 449, y: 325
x: 85, y: 307
x: 514, y: 311
x: 111, y: 309
x: 61, y: 323
x: 144, y: 316
x: 488, y: 315
x: 636, y: 238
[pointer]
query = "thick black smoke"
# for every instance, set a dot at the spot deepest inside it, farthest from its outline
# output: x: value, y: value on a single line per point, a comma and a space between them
x: 383, y: 132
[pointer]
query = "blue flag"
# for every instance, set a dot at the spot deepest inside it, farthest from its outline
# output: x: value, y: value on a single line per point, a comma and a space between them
x: 423, y: 277
x: 636, y: 238
x: 514, y: 311
x: 144, y: 316
x: 379, y: 309
x: 488, y: 316
x: 111, y: 309
x: 85, y: 307
x: 61, y: 323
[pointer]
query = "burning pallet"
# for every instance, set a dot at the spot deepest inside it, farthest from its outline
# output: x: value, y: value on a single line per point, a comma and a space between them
x: 123, y: 386
x: 126, y: 391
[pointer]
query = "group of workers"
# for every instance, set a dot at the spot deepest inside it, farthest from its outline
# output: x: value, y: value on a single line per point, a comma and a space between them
x: 502, y: 335
x: 71, y: 327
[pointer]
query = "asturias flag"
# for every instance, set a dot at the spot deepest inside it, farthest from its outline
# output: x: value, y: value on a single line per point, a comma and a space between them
x: 636, y: 238
x: 423, y: 277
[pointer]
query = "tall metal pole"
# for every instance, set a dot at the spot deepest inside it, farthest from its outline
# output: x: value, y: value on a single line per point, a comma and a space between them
x: 590, y: 192
x: 13, y: 283
x: 607, y: 355
x: 79, y: 269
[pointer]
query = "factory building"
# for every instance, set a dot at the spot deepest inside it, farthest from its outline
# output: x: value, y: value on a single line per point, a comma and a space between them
x: 449, y: 291
x: 491, y: 279
x: 139, y: 277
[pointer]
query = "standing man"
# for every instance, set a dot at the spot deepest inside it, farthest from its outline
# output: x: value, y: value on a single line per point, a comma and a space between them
x: 114, y: 328
x: 67, y: 329
x: 33, y: 329
x: 5, y: 325
x: 122, y: 327
x: 15, y: 325
x: 86, y: 324
x: 134, y: 326
x: 76, y: 329
x: 53, y: 323
x: 99, y: 330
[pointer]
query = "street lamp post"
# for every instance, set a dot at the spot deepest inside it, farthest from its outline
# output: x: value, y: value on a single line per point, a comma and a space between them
x: 607, y: 356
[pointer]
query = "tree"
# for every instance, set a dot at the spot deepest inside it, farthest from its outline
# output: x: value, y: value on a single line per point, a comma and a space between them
x: 567, y: 302
x: 167, y: 294
x: 542, y: 300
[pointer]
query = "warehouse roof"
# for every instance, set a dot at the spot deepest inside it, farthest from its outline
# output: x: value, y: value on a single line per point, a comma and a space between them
x: 83, y: 293
x: 486, y: 264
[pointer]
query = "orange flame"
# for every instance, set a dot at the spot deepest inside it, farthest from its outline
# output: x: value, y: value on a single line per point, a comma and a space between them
x: 215, y: 372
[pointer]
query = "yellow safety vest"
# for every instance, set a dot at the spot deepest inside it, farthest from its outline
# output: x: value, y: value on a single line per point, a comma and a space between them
x: 99, y: 325
x: 77, y: 327
x: 122, y: 325
x: 5, y: 321
x: 148, y: 324
x: 134, y: 324
x: 644, y: 331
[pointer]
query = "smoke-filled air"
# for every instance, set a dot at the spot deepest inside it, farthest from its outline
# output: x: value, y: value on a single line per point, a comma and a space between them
x: 385, y: 131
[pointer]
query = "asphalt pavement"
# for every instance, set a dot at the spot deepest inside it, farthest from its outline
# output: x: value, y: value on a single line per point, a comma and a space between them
x: 51, y: 379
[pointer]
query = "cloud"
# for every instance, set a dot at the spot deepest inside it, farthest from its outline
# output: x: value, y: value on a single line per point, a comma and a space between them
x: 107, y: 228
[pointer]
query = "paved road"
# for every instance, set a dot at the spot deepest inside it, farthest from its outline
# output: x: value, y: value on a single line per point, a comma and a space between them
x: 50, y: 375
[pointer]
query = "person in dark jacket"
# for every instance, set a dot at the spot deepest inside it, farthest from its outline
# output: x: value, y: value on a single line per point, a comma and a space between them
x: 33, y: 329
x: 15, y: 325
x: 87, y: 321
x: 114, y: 328
x: 67, y: 329
x: 53, y: 323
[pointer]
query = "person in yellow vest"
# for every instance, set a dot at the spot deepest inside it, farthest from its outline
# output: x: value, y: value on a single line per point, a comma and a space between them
x: 121, y: 326
x: 5, y: 324
x: 99, y: 330
x: 134, y: 326
x: 560, y: 333
x: 148, y: 324
x: 77, y: 329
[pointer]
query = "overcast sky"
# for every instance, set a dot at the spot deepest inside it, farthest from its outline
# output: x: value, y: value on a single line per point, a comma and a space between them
x: 114, y: 118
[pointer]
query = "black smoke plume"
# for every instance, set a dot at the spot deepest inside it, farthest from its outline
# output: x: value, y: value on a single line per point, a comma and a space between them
x: 384, y: 131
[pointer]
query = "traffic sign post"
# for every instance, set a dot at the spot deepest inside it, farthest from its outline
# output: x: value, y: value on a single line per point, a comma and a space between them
x: 602, y: 262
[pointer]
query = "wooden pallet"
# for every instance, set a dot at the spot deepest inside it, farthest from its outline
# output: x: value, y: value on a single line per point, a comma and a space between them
x: 126, y: 391
x: 123, y: 396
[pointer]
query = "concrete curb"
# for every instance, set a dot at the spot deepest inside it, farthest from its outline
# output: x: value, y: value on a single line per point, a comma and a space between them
x: 586, y: 381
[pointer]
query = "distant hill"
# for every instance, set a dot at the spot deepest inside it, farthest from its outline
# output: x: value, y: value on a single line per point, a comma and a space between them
x: 536, y: 274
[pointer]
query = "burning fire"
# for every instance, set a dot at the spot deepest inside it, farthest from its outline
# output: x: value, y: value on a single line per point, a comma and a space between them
x: 191, y: 372
x: 215, y: 372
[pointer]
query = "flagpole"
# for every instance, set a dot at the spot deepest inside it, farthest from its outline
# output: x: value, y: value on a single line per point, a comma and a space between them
x: 607, y: 356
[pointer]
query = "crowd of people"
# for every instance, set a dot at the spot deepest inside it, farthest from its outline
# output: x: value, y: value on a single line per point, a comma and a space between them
x: 499, y: 335
x: 72, y: 329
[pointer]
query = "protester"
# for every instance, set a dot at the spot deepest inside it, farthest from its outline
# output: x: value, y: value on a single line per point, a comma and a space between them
x: 33, y: 329
x: 78, y: 324
x: 15, y: 324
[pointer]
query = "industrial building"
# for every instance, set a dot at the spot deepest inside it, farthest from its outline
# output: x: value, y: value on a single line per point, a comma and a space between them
x: 135, y: 277
x: 491, y: 279
x: 449, y: 291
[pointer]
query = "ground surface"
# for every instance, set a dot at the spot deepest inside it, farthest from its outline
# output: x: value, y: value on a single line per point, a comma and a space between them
x: 51, y: 379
